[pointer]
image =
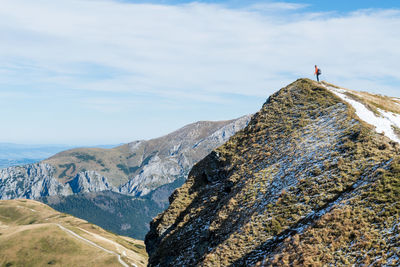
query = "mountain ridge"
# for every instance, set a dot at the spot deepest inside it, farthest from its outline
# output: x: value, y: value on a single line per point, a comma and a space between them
x: 268, y: 196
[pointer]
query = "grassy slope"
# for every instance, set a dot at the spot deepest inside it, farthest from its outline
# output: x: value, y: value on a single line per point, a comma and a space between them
x: 120, y: 214
x: 30, y: 236
x: 105, y: 161
x: 304, y: 162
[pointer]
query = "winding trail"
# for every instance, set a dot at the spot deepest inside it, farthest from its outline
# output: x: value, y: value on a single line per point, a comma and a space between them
x: 93, y: 244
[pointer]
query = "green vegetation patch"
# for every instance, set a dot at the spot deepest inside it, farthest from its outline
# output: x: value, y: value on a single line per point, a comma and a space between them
x: 127, y: 170
x: 69, y: 169
x: 84, y: 156
x: 111, y: 211
x: 123, y: 168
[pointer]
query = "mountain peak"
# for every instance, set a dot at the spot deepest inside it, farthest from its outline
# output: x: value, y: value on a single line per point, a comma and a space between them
x: 305, y: 162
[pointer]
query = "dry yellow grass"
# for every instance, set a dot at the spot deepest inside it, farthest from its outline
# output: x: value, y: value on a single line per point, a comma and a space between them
x: 105, y: 161
x: 374, y: 101
x: 33, y: 234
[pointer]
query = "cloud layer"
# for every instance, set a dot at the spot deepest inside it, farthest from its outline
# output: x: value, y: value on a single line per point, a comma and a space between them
x: 109, y: 56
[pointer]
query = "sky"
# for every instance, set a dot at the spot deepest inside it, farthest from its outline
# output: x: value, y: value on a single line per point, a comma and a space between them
x: 89, y: 72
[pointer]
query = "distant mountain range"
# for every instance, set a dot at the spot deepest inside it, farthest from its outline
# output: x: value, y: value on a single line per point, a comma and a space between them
x: 147, y: 171
x: 21, y: 154
x: 18, y: 154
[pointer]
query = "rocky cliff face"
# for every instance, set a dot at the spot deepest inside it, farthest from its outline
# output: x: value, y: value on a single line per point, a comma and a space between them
x: 172, y: 156
x: 307, y: 182
x: 90, y: 181
x: 35, y: 181
x: 30, y: 181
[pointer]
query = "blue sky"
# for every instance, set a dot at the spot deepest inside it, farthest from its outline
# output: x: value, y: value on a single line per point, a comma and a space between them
x: 314, y: 5
x: 86, y: 72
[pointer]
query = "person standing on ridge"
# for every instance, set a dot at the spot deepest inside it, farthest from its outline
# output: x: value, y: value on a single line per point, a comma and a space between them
x: 317, y: 72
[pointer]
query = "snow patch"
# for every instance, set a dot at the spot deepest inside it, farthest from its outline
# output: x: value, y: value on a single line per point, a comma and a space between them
x: 383, y: 124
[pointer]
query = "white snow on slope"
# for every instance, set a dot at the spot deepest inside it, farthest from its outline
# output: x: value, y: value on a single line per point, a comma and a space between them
x: 384, y: 123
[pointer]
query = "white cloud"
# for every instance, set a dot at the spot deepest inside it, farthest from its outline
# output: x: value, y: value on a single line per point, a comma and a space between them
x: 195, y: 47
x: 276, y: 6
x: 92, y: 52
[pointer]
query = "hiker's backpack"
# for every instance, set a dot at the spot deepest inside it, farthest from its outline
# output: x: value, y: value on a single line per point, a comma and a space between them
x: 319, y: 71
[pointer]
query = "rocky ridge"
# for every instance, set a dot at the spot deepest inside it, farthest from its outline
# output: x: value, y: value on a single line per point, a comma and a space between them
x: 307, y: 182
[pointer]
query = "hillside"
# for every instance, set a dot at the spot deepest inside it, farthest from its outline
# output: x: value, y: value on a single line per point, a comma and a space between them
x: 307, y: 183
x: 118, y: 213
x: 141, y: 166
x: 33, y: 234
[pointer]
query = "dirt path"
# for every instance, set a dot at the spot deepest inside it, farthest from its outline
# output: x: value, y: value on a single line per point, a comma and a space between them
x: 93, y: 244
x: 120, y: 249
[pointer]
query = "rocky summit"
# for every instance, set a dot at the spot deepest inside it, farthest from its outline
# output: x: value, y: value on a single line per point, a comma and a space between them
x: 313, y: 180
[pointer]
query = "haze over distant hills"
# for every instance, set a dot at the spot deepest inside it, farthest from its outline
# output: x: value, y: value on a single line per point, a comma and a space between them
x: 20, y: 154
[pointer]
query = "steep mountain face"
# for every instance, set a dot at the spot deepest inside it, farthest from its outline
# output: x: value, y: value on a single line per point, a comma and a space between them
x: 30, y: 181
x: 34, y: 181
x: 33, y: 234
x: 307, y: 182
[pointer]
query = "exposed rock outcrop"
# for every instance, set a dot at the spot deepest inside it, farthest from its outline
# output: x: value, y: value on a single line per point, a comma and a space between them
x: 30, y: 181
x: 176, y: 153
x: 90, y: 181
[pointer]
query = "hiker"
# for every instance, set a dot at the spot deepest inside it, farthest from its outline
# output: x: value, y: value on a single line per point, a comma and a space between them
x: 317, y: 72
